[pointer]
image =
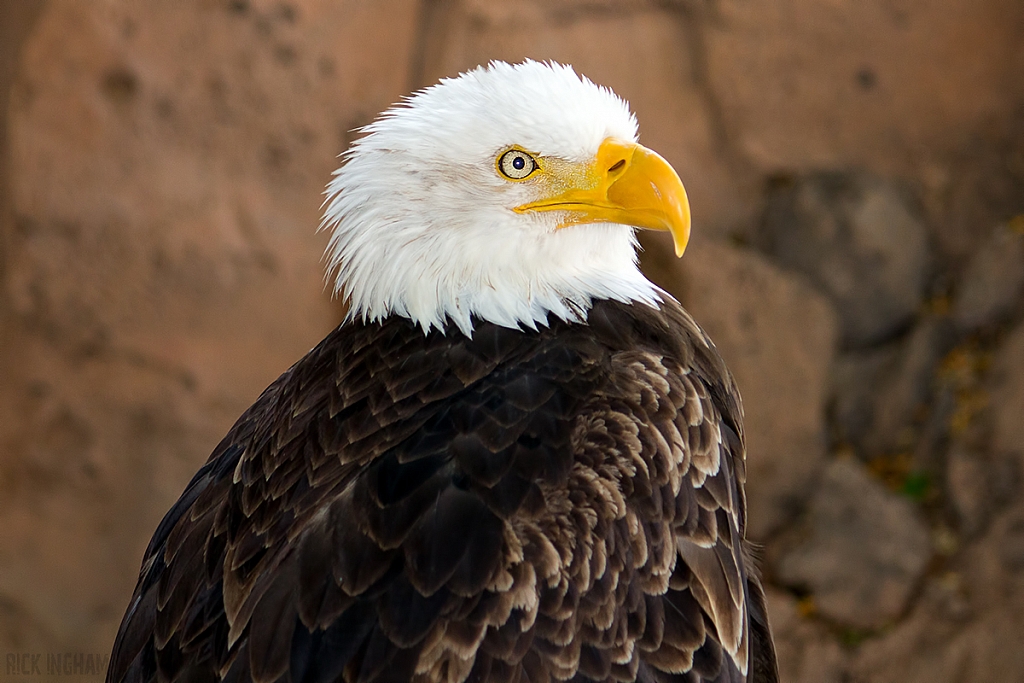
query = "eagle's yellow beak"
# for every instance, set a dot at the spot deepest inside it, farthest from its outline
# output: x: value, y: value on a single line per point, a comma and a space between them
x: 625, y: 183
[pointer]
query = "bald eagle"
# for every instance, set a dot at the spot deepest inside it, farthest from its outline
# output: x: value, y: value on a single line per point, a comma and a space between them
x: 516, y: 461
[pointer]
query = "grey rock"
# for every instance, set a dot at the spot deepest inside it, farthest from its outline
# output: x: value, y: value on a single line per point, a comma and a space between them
x: 859, y: 240
x: 967, y: 625
x: 967, y: 486
x: 879, y: 393
x: 1006, y: 385
x: 908, y: 389
x: 1011, y: 545
x: 857, y: 377
x: 865, y: 551
x: 993, y: 281
x: 979, y: 482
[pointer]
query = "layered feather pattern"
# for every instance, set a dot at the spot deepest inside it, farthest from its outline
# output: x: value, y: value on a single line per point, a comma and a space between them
x: 522, y: 506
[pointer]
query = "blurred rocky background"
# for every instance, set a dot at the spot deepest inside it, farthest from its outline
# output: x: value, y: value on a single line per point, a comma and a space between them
x: 856, y: 169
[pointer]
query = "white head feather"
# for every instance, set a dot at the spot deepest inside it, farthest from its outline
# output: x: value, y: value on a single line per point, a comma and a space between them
x: 423, y: 225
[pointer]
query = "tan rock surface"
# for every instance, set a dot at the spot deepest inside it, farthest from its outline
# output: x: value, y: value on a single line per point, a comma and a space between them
x: 166, y: 173
x: 778, y: 337
x: 805, y: 84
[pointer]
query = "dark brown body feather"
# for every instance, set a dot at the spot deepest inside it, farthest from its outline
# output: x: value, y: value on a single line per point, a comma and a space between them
x: 519, y: 507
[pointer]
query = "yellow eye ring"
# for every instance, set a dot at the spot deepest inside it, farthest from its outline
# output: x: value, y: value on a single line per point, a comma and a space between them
x: 516, y: 164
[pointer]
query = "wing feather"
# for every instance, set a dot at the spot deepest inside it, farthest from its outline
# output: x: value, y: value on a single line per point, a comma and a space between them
x: 516, y: 507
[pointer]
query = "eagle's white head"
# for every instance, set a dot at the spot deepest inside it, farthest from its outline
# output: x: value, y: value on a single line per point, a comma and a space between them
x: 506, y: 194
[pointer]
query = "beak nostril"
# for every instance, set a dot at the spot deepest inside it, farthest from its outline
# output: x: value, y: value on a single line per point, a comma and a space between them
x: 617, y: 165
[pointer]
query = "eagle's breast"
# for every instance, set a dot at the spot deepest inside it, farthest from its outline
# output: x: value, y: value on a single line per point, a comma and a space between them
x: 519, y: 505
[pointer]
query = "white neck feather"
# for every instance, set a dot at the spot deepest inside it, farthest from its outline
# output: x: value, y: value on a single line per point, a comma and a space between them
x: 423, y: 227
x: 507, y: 277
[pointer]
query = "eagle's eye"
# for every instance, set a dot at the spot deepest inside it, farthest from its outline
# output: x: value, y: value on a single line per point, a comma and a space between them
x: 515, y: 164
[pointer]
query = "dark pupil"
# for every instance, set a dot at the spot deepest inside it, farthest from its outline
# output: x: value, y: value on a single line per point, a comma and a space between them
x: 519, y: 163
